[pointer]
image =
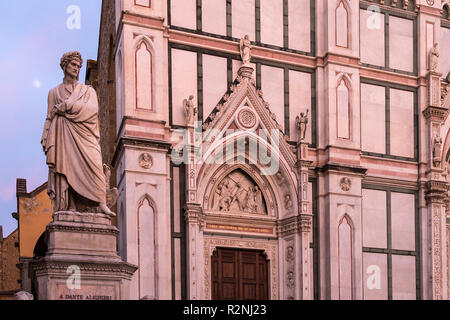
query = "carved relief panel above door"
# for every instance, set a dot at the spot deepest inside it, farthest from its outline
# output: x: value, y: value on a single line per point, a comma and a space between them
x: 237, y: 192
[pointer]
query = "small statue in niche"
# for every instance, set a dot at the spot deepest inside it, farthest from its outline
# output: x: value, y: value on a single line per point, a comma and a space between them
x: 290, y: 279
x: 287, y: 202
x: 245, y: 49
x: 302, y: 123
x: 289, y: 254
x: 437, y: 146
x: 190, y: 110
x: 280, y: 178
x: 434, y: 58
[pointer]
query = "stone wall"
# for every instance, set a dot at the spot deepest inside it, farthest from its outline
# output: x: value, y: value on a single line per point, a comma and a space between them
x: 9, y: 257
x: 106, y: 82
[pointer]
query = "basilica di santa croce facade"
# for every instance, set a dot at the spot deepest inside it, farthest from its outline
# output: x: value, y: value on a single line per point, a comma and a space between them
x: 278, y: 149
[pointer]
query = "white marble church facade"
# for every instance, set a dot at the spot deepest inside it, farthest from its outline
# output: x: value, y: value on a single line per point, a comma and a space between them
x: 244, y: 204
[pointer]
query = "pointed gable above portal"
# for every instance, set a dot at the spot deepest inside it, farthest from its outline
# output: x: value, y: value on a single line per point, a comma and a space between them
x: 243, y: 108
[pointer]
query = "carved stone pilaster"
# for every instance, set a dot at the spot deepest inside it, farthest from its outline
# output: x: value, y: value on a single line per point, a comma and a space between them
x: 439, y: 253
x: 296, y: 230
x: 305, y: 290
x: 193, y: 150
x: 194, y: 226
x: 303, y: 165
x: 436, y: 196
x: 290, y: 281
x: 434, y: 89
x: 447, y: 205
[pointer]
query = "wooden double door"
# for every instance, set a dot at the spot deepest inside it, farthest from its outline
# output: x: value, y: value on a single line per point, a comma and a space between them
x: 239, y: 275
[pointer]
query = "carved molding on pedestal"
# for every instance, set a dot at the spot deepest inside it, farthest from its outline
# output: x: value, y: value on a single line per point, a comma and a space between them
x: 88, y: 241
x: 44, y: 265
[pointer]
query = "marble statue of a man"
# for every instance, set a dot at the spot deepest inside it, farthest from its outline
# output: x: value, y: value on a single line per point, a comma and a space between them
x: 71, y: 143
x: 302, y: 122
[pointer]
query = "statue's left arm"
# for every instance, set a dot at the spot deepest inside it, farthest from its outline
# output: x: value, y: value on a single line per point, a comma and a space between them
x: 48, y: 119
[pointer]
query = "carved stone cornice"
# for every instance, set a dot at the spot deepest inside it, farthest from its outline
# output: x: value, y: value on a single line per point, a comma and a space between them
x: 436, y: 191
x: 296, y: 224
x: 44, y: 265
x: 126, y: 141
x: 305, y: 222
x: 304, y: 164
x: 342, y: 168
x: 193, y: 214
x: 82, y: 229
x: 438, y: 114
x: 76, y: 222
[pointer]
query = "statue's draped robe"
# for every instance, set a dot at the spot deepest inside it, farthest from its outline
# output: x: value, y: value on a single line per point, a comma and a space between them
x: 71, y: 144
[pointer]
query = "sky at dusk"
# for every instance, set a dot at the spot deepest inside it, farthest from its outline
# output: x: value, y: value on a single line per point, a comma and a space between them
x: 34, y: 36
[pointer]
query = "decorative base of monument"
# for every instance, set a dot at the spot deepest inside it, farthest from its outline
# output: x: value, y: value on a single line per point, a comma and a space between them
x: 246, y: 71
x: 81, y: 262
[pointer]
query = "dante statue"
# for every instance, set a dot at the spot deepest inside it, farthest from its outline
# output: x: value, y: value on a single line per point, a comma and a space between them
x: 245, y: 49
x: 190, y: 110
x: 302, y: 122
x: 71, y: 142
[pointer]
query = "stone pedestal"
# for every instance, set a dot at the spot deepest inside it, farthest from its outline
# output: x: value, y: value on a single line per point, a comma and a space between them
x: 81, y: 262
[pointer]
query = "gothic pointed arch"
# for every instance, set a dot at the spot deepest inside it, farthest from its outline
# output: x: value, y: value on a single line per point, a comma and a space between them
x: 143, y: 75
x: 147, y: 246
x: 342, y: 24
x: 243, y: 131
x: 343, y: 107
x: 345, y: 257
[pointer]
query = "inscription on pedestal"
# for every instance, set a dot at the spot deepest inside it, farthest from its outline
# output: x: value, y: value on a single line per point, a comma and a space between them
x: 86, y: 292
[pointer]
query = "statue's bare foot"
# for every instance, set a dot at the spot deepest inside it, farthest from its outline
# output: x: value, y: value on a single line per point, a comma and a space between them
x: 106, y: 210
